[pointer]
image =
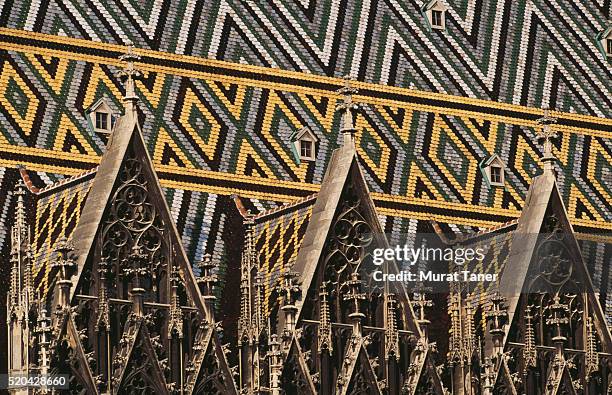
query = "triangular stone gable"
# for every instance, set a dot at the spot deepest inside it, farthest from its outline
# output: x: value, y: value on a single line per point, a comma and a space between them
x: 125, y: 155
x: 126, y: 223
x: 362, y: 379
x: 344, y: 199
x: 295, y: 378
x: 210, y: 370
x: 69, y: 354
x: 544, y: 234
x: 141, y: 371
x: 425, y: 379
x: 560, y: 384
x: 504, y: 385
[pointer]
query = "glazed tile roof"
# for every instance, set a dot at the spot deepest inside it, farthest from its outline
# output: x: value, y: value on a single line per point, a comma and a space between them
x: 228, y: 130
x: 278, y: 234
x: 58, y: 209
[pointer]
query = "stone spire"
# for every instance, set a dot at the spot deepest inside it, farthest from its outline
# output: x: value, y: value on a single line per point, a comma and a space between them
x: 392, y: 345
x: 20, y: 297
x: 103, y: 320
x: 207, y: 280
x: 289, y: 290
x: 129, y: 73
x: 258, y: 302
x: 355, y: 295
x: 175, y: 326
x: 325, y: 330
x: 20, y: 293
x: 347, y: 107
x: 137, y: 269
x: 64, y: 262
x: 455, y: 349
x: 592, y: 356
x: 469, y: 330
x: 245, y: 324
x: 20, y: 218
x: 547, y: 135
x: 529, y: 352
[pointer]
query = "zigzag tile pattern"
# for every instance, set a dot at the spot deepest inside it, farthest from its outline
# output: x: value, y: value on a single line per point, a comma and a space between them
x: 214, y: 133
x: 528, y: 52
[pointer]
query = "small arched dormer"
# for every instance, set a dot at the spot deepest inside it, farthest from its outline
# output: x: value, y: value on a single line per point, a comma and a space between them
x: 494, y: 171
x: 435, y: 12
x: 604, y: 42
x: 101, y: 117
x: 305, y: 144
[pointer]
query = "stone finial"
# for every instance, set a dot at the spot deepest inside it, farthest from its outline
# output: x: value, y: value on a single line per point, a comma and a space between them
x: 129, y: 73
x: 325, y: 328
x: 20, y: 192
x: 546, y: 136
x: 206, y: 279
x: 289, y: 289
x: 64, y: 263
x: 347, y: 106
x: 355, y: 295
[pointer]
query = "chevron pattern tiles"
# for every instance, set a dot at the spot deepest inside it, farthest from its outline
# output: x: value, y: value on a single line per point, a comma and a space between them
x: 533, y: 53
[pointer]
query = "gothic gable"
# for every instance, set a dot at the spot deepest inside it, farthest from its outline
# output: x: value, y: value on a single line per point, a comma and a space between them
x: 138, y: 369
x: 341, y: 233
x: 208, y: 371
x: 560, y: 381
x: 133, y: 280
x: 358, y: 377
x: 133, y: 219
x: 70, y: 358
x: 504, y: 384
x: 551, y: 299
x: 545, y: 256
x: 295, y: 376
x: 423, y: 377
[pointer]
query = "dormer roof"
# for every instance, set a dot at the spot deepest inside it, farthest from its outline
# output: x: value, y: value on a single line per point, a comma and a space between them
x: 304, y: 132
x: 491, y: 160
x: 434, y: 4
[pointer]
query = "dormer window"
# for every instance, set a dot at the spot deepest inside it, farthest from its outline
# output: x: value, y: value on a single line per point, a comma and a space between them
x: 604, y: 42
x: 435, y: 11
x: 496, y: 175
x: 493, y: 170
x: 305, y: 144
x: 101, y: 120
x: 306, y: 149
x: 101, y: 117
x: 436, y: 19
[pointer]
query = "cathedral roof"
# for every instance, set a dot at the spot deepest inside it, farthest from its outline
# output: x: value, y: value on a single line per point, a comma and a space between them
x: 278, y: 235
x: 58, y: 210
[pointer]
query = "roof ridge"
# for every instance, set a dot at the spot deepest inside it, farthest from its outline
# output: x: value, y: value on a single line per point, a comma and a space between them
x: 493, y: 229
x: 460, y: 238
x: 65, y: 181
x: 285, y: 206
